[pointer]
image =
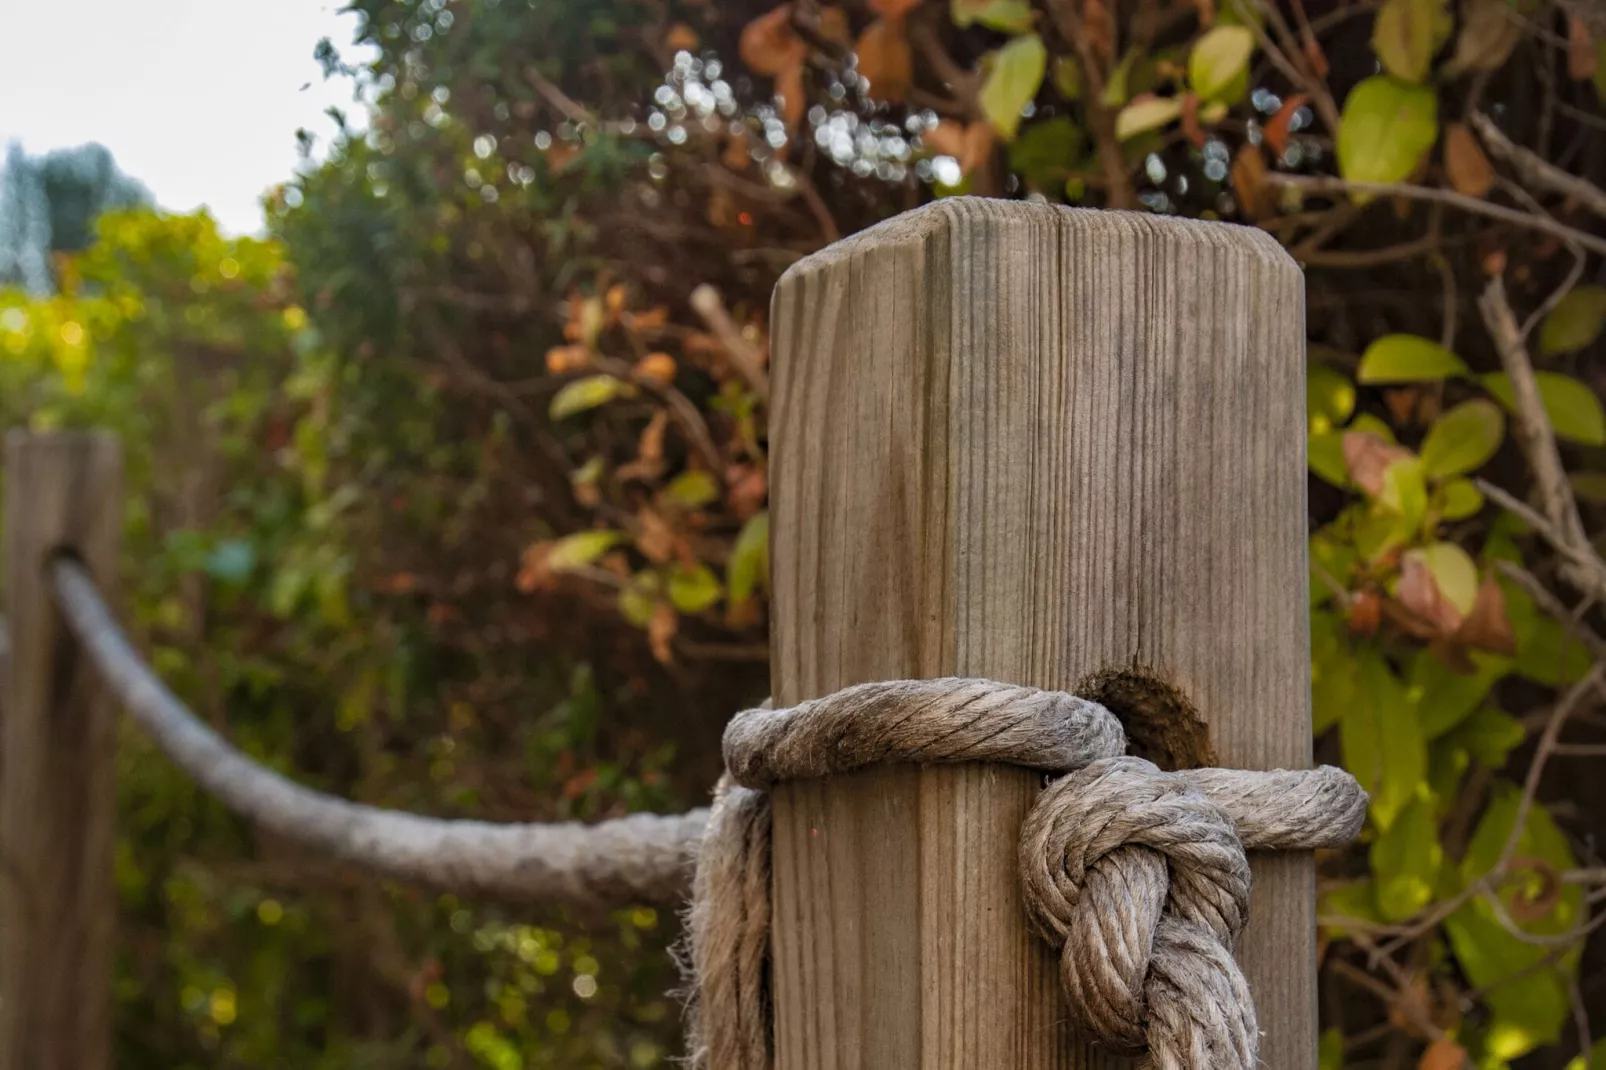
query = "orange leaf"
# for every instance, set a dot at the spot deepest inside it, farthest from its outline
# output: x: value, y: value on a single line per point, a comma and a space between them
x: 1367, y: 456
x: 969, y: 145
x: 533, y: 570
x: 885, y: 59
x: 769, y: 45
x: 1316, y: 57
x: 1488, y: 625
x: 1098, y: 27
x: 659, y: 367
x: 654, y: 537
x: 1365, y: 613
x: 1276, y: 132
x: 651, y: 445
x: 893, y: 9
x: 1190, y: 121
x: 1464, y: 162
x: 682, y: 38
x: 563, y: 359
x: 833, y: 25
x: 1443, y: 1054
x: 1249, y: 182
x: 789, y: 87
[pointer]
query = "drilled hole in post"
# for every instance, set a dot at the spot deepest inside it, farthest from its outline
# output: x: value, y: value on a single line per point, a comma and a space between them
x: 1161, y: 724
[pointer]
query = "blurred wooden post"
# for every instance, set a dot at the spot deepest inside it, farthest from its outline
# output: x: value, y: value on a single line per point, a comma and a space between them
x: 1051, y: 447
x: 63, y: 492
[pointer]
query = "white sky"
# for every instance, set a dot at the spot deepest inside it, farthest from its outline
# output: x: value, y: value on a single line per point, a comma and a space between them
x: 198, y: 99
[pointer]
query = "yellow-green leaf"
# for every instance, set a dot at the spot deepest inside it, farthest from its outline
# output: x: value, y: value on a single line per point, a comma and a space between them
x: 692, y: 590
x: 1459, y: 499
x: 639, y: 599
x: 749, y: 567
x: 1388, y: 125
x: 1145, y: 114
x: 1325, y: 456
x: 1068, y: 78
x: 1006, y: 16
x: 1329, y: 398
x: 1016, y: 75
x: 1381, y: 741
x: 1406, y: 859
x: 1574, y: 410
x: 1524, y: 984
x: 692, y: 488
x: 580, y: 550
x: 587, y: 393
x: 1407, y: 358
x: 1462, y: 439
x: 1219, y: 58
x: 1575, y: 322
x: 1443, y: 697
x: 1405, y: 494
x: 1406, y: 35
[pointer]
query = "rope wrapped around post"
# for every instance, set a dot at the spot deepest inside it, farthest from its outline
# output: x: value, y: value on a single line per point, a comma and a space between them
x: 1137, y: 875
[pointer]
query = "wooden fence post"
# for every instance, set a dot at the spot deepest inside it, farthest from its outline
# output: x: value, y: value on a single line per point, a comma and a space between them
x: 63, y: 492
x: 1051, y: 447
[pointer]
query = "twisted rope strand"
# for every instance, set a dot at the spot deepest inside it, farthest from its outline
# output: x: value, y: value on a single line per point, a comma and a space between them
x: 1138, y: 876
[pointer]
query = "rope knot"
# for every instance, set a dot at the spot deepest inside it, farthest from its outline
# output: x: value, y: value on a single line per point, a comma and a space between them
x: 1139, y: 878
x: 1141, y: 882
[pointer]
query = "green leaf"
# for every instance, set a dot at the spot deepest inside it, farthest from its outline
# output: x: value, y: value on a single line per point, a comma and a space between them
x: 1145, y: 114
x: 1016, y: 75
x: 1006, y: 16
x: 580, y: 550
x: 1489, y: 735
x: 1330, y: 1053
x: 1334, y: 684
x: 1046, y: 152
x: 692, y: 590
x: 1444, y: 698
x: 1597, y: 1054
x: 1407, y: 358
x: 1325, y: 455
x: 1219, y: 58
x: 1356, y: 900
x: 1527, y: 994
x: 1406, y: 35
x: 587, y: 393
x: 1068, y: 78
x: 1575, y: 322
x: 1574, y: 410
x: 749, y: 566
x: 1462, y: 439
x: 1329, y: 398
x: 1458, y: 499
x: 1405, y: 494
x: 1381, y: 741
x: 1406, y: 859
x: 1385, y: 130
x: 691, y: 489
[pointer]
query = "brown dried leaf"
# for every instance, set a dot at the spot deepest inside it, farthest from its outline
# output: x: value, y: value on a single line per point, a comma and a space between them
x: 1367, y: 456
x: 770, y: 46
x: 893, y: 9
x: 661, y: 629
x: 654, y: 537
x: 656, y: 367
x: 1582, y: 58
x: 969, y: 145
x: 789, y: 87
x: 682, y: 38
x: 1419, y: 594
x: 561, y: 360
x: 1190, y: 121
x: 1464, y: 162
x: 1365, y: 613
x: 1488, y: 625
x: 534, y: 573
x: 650, y: 447
x: 1248, y: 177
x: 1489, y: 32
x: 1276, y: 131
x: 1098, y: 28
x: 885, y: 59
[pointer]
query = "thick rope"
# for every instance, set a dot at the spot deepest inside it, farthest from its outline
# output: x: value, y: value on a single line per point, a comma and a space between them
x: 1136, y: 875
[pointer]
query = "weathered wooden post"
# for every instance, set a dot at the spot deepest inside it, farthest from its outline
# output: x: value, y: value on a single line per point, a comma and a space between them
x: 1051, y: 447
x: 63, y: 492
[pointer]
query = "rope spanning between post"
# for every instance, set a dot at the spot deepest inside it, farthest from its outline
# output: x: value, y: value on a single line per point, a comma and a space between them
x: 1137, y: 875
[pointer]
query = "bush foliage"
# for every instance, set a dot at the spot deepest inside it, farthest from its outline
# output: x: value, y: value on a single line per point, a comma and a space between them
x: 452, y: 495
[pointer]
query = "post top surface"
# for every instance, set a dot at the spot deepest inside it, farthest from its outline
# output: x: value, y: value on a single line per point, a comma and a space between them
x: 956, y: 213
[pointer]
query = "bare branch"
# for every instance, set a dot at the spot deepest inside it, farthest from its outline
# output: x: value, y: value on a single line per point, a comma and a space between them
x: 1534, y: 170
x: 640, y: 858
x: 747, y: 358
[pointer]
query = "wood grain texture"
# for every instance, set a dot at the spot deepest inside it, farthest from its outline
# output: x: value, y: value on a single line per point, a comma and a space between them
x: 57, y: 901
x: 1032, y: 444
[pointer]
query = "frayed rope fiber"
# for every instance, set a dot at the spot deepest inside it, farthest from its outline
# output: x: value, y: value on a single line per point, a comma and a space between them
x: 1137, y: 876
